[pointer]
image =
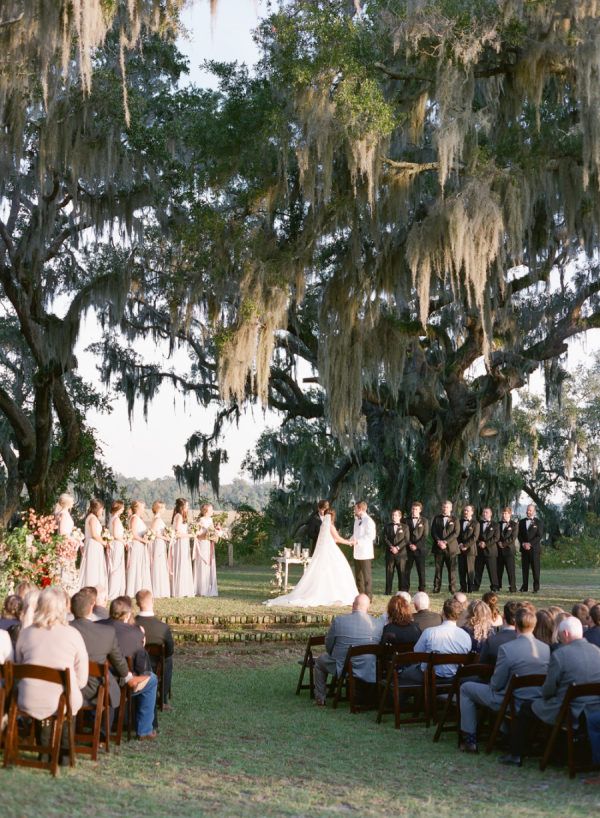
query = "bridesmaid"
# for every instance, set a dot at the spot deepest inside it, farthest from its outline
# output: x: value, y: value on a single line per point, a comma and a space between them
x: 205, y: 565
x: 65, y: 527
x: 138, y: 566
x: 159, y: 570
x: 180, y: 560
x: 116, y: 551
x: 93, y: 565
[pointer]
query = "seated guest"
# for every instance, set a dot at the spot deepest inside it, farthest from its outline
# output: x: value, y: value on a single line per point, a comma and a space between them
x: 593, y: 634
x: 463, y: 601
x: 582, y: 612
x: 478, y: 624
x: 11, y: 616
x: 489, y: 650
x: 6, y: 648
x: 99, y: 595
x: 524, y: 655
x: 577, y: 662
x: 157, y: 633
x: 589, y: 601
x: 49, y: 641
x: 557, y: 619
x: 29, y: 605
x: 400, y: 628
x: 544, y: 626
x: 24, y: 587
x: 444, y: 638
x: 491, y: 600
x: 424, y: 618
x: 102, y: 645
x: 131, y: 642
x: 346, y: 631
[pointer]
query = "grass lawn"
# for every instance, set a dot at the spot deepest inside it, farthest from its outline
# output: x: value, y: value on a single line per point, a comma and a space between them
x: 239, y: 742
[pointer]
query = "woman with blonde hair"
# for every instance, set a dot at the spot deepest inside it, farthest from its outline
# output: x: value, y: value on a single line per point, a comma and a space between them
x: 138, y: 565
x: 180, y: 561
x: 159, y: 570
x: 93, y: 565
x: 116, y: 551
x: 51, y: 642
x: 65, y: 527
x: 29, y: 602
x: 478, y: 624
x: 205, y: 564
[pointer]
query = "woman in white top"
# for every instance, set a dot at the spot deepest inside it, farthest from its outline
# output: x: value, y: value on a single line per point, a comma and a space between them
x: 205, y: 565
x: 116, y: 551
x: 93, y: 565
x: 159, y: 571
x: 6, y: 648
x: 65, y: 527
x: 180, y: 561
x: 51, y: 642
x: 138, y: 566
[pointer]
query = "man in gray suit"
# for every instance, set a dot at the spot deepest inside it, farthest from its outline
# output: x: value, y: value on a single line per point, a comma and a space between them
x: 575, y: 662
x: 523, y: 655
x: 349, y: 630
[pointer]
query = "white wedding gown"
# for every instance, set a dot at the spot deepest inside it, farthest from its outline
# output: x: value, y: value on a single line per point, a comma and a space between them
x: 328, y: 580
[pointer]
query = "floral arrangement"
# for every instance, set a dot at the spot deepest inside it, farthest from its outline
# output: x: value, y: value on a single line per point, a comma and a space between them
x: 35, y: 552
x: 278, y: 566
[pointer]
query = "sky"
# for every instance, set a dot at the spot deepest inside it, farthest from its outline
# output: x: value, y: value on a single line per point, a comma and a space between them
x: 151, y: 448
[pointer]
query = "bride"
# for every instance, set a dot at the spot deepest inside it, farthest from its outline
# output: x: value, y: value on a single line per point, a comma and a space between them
x: 328, y: 580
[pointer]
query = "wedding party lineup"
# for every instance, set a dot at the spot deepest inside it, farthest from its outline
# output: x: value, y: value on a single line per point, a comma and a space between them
x: 299, y: 408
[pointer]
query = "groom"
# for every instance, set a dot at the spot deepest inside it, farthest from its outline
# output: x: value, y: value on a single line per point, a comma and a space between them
x: 363, y: 538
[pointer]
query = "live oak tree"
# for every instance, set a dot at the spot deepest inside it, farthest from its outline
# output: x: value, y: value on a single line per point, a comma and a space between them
x: 402, y: 203
x: 82, y: 176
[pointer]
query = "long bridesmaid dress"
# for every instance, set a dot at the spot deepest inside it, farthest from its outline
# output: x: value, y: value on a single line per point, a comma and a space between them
x: 159, y: 570
x: 180, y: 560
x: 205, y: 564
x: 138, y: 567
x: 116, y: 558
x: 93, y: 565
x: 68, y: 573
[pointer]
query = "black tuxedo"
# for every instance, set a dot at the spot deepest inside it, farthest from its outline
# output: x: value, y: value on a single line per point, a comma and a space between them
x: 395, y: 535
x: 531, y: 558
x: 487, y: 555
x: 507, y: 535
x: 467, y: 544
x: 311, y: 531
x: 444, y: 557
x: 159, y: 633
x: 417, y: 534
x: 131, y: 643
x: 101, y: 644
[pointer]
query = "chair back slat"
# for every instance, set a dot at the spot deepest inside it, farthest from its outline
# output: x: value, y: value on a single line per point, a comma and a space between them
x: 41, y: 673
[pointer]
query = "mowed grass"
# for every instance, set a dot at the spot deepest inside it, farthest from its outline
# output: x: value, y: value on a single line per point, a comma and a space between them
x: 239, y: 742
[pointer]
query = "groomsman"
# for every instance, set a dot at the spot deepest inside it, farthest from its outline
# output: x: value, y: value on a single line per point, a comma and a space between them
x: 395, y: 535
x: 444, y: 533
x: 418, y: 529
x: 530, y: 539
x: 467, y: 549
x: 363, y: 538
x: 507, y: 548
x: 487, y: 551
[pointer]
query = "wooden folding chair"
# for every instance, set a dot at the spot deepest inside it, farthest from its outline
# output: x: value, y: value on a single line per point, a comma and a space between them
x: 15, y: 745
x: 567, y: 724
x: 441, y: 685
x: 308, y: 663
x: 353, y: 682
x: 126, y: 705
x: 158, y: 658
x: 5, y: 689
x: 508, y: 708
x: 483, y: 673
x: 393, y: 683
x: 88, y: 742
x: 400, y: 647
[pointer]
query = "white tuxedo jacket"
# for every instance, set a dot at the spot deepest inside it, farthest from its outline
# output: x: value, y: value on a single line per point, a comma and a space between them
x: 364, y: 533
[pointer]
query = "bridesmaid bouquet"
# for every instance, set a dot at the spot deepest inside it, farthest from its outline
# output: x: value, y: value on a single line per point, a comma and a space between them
x: 168, y: 533
x: 194, y: 529
x: 77, y: 537
x: 106, y: 537
x: 151, y: 535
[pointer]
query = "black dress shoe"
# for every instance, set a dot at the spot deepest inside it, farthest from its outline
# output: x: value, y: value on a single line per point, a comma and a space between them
x: 522, y: 590
x: 515, y: 761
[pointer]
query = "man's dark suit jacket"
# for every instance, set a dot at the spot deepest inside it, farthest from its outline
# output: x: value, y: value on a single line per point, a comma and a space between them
x: 534, y: 535
x: 507, y: 534
x: 593, y: 635
x: 101, y: 644
x: 157, y: 632
x: 427, y: 619
x: 448, y: 533
x: 398, y: 538
x: 417, y: 534
x: 491, y: 646
x: 489, y: 536
x: 468, y: 536
x: 131, y: 642
x: 313, y: 526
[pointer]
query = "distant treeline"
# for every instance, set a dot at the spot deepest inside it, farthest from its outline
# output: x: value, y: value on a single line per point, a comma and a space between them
x: 231, y: 496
